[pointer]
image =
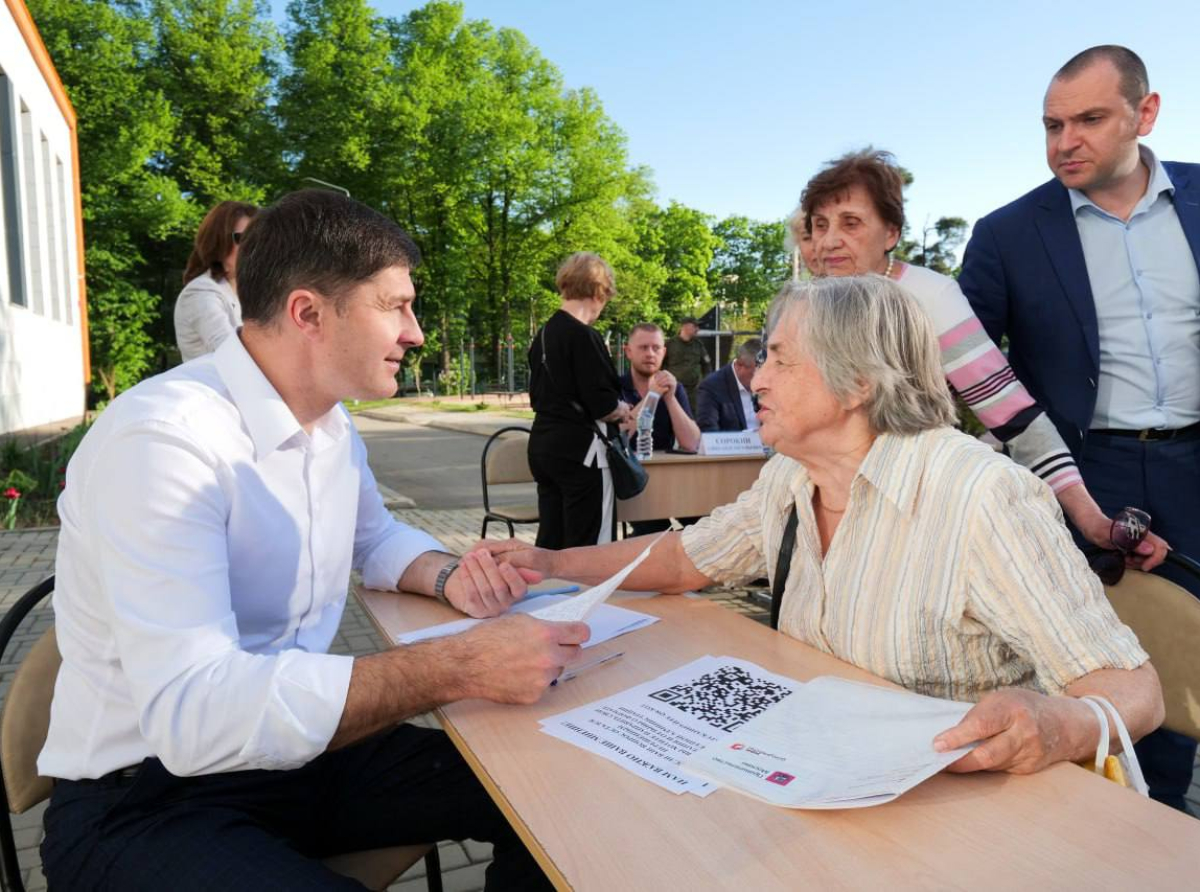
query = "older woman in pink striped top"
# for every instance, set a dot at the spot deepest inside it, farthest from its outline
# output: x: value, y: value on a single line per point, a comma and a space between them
x: 854, y: 210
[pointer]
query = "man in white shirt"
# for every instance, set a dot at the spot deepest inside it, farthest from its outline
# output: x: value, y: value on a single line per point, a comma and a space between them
x: 201, y: 735
x: 725, y: 400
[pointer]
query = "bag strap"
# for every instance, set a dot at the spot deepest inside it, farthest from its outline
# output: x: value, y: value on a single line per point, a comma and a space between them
x: 1102, y: 749
x: 783, y: 565
x: 1128, y: 756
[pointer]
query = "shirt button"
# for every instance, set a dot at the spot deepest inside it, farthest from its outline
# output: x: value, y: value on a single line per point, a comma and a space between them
x: 1149, y: 315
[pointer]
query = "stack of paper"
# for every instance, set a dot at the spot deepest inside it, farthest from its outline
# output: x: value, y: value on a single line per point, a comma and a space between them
x: 834, y: 744
x: 650, y: 729
x: 606, y: 621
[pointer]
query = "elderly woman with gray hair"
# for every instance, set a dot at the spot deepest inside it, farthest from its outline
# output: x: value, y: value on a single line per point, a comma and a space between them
x: 919, y: 554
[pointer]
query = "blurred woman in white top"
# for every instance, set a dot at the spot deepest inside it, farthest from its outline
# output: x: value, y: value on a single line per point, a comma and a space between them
x: 207, y: 310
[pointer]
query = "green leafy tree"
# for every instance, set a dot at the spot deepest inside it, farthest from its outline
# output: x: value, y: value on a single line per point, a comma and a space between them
x: 938, y: 245
x: 102, y: 51
x: 749, y: 264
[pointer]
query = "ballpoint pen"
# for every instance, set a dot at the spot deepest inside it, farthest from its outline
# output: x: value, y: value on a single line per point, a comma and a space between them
x: 572, y: 672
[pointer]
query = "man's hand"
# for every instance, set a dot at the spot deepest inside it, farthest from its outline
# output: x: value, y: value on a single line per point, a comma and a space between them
x: 1021, y: 732
x: 513, y: 659
x: 480, y: 586
x: 1096, y: 526
x: 1150, y: 552
x: 664, y: 382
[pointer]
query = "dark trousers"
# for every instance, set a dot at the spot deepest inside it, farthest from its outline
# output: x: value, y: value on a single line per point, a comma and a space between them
x: 1163, y: 478
x: 571, y: 503
x: 646, y: 527
x: 255, y: 830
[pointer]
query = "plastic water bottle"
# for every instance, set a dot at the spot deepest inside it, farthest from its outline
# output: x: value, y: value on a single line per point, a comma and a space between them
x: 645, y: 426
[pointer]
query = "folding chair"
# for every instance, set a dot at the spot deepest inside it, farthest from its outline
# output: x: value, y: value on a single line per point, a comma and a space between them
x: 1166, y: 620
x: 26, y: 720
x: 505, y: 460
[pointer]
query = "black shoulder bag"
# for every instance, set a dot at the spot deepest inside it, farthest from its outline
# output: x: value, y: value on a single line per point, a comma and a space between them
x: 629, y: 477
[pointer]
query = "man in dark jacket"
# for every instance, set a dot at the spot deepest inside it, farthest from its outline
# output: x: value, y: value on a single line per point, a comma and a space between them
x: 725, y: 401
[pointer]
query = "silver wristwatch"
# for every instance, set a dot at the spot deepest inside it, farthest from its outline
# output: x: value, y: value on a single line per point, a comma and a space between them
x: 439, y: 585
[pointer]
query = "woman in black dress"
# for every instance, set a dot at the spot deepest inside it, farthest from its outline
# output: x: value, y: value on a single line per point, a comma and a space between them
x: 575, y: 393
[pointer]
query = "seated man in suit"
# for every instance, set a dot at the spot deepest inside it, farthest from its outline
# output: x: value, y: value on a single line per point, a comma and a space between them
x: 725, y: 402
x: 673, y: 422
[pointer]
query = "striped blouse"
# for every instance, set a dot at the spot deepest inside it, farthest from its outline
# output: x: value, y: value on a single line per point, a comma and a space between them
x: 951, y: 572
x: 981, y: 375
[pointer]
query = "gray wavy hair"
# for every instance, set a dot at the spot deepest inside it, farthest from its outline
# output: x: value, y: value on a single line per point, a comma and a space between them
x: 867, y: 331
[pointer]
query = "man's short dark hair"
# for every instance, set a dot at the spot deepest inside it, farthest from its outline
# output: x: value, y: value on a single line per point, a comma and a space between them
x: 644, y: 326
x: 749, y: 350
x: 688, y: 320
x: 1135, y: 83
x: 318, y: 240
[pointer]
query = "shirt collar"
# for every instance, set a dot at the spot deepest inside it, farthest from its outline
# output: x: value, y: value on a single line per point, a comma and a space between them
x: 266, y: 416
x: 741, y: 387
x: 1159, y: 183
x: 894, y: 466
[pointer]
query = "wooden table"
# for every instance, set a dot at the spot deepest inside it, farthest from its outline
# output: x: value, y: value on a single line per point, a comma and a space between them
x: 594, y: 826
x: 690, y: 485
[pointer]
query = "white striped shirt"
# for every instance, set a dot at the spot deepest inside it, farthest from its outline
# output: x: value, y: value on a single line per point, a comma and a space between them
x: 951, y: 572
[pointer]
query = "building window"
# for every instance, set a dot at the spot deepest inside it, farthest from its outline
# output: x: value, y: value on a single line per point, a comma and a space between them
x: 53, y: 225
x: 33, y: 214
x: 64, y: 221
x: 10, y: 203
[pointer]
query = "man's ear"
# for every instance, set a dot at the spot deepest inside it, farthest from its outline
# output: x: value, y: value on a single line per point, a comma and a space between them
x: 306, y: 311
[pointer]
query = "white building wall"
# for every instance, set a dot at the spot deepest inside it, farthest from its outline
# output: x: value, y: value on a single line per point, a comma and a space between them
x: 41, y: 339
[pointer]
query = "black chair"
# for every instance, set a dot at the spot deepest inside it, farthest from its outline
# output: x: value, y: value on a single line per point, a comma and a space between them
x: 505, y: 460
x: 23, y: 726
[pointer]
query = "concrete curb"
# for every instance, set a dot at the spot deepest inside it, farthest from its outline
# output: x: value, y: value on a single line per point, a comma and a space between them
x: 462, y: 423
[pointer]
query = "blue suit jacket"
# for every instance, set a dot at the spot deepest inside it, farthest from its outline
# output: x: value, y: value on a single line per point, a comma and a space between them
x: 719, y: 402
x: 1025, y: 276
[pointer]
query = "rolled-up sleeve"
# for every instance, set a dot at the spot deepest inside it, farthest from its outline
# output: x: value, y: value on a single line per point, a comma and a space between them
x: 204, y: 704
x: 728, y: 546
x: 1032, y: 587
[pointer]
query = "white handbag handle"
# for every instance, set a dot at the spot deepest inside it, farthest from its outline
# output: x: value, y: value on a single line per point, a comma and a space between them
x: 1128, y: 756
x: 1102, y: 749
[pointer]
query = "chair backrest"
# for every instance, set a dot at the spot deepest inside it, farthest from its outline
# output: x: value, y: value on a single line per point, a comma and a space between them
x: 1166, y: 619
x: 506, y: 457
x: 24, y: 724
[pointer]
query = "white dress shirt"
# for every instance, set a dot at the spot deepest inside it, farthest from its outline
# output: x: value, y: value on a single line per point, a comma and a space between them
x: 1147, y: 294
x: 747, y: 405
x: 207, y: 312
x: 202, y: 571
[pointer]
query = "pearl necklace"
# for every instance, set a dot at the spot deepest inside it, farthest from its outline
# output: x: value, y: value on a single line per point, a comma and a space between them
x: 887, y: 273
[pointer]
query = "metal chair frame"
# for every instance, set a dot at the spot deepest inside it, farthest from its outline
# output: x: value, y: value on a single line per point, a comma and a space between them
x: 488, y: 514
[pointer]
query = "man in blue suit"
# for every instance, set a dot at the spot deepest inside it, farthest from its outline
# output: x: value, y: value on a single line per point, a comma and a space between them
x: 724, y: 398
x: 1094, y: 279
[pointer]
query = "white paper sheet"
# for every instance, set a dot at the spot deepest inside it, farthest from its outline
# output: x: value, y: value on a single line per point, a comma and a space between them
x: 606, y: 623
x: 651, y: 728
x: 576, y: 609
x: 835, y: 744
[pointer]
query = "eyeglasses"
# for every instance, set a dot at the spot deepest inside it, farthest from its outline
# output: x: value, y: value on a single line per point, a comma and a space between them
x: 1129, y: 529
x: 237, y: 237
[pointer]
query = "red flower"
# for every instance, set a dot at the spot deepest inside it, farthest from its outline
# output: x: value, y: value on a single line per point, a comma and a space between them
x: 12, y: 493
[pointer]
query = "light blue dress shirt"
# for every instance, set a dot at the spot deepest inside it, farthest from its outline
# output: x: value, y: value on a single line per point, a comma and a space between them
x: 1147, y: 294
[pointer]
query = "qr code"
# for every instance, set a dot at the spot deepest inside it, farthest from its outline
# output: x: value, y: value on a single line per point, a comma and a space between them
x: 726, y: 698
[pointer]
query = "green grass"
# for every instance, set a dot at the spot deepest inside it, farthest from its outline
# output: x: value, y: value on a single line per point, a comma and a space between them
x: 437, y: 406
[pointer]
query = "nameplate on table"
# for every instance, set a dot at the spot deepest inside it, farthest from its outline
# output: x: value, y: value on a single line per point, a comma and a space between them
x: 731, y: 443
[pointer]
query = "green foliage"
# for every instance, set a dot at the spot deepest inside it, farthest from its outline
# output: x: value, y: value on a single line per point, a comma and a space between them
x: 749, y: 266
x: 461, y: 132
x: 37, y: 473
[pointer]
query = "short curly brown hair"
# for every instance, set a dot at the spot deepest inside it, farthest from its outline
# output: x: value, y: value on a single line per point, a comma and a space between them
x: 873, y: 169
